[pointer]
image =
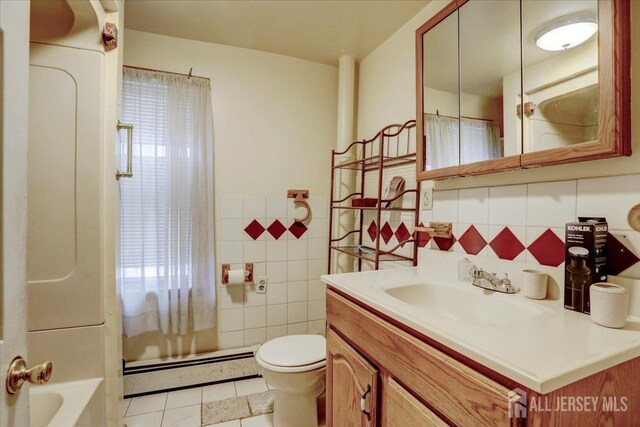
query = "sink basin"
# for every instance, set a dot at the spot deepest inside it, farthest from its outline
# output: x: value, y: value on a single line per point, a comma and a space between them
x: 466, y: 305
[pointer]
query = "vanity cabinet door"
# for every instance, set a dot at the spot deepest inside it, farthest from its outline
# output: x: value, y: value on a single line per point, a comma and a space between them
x: 401, y: 409
x: 352, y: 385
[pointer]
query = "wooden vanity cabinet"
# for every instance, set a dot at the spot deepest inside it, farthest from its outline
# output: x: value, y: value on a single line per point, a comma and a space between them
x: 352, y: 385
x: 418, y: 381
x: 415, y: 381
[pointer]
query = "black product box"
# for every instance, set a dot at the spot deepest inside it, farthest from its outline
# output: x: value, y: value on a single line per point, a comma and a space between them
x: 585, y: 261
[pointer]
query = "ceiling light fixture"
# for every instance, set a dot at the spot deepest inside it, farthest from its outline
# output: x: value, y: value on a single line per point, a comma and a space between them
x: 567, y: 34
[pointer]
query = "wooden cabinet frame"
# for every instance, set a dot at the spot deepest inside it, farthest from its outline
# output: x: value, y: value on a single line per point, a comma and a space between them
x: 614, y: 97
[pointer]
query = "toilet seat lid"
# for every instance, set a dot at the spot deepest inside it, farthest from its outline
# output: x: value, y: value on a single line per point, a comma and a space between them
x: 294, y: 350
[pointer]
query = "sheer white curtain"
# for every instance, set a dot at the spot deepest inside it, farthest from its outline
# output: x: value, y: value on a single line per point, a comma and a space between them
x: 442, y: 136
x: 480, y: 140
x: 452, y: 142
x: 166, y: 266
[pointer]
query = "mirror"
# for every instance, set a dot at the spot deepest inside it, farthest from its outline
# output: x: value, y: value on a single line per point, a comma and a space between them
x: 503, y: 85
x: 489, y: 79
x: 441, y: 94
x: 560, y: 80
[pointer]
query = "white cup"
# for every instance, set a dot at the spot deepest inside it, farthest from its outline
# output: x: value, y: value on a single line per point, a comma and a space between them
x: 609, y: 304
x: 534, y: 284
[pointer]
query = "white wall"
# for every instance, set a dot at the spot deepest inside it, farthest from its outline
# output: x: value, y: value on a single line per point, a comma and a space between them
x: 387, y: 94
x: 274, y: 128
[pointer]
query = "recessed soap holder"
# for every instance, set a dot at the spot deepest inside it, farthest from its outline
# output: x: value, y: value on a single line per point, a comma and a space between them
x: 248, y: 272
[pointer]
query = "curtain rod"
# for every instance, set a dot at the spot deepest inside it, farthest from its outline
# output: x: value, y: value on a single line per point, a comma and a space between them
x: 166, y: 72
x: 461, y: 117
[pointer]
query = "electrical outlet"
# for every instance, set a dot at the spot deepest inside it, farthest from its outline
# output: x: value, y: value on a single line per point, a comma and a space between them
x: 427, y: 199
x: 261, y: 284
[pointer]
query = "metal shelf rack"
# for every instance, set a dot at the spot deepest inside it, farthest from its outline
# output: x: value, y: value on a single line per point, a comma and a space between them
x: 376, y: 154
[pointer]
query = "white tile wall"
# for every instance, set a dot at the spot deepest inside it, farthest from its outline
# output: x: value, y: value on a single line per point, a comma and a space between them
x: 473, y: 206
x: 276, y: 207
x: 295, y: 299
x: 507, y: 205
x: 231, y: 207
x: 551, y: 204
x: 255, y: 207
x: 529, y: 210
x: 277, y: 250
x: 610, y: 197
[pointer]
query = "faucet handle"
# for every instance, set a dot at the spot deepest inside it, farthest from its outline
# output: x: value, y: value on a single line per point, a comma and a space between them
x: 476, y: 272
x: 506, y: 282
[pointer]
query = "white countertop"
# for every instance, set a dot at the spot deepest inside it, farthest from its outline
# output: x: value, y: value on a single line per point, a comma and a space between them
x: 542, y: 352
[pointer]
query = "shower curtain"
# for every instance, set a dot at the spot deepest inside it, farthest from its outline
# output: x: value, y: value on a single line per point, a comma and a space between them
x: 166, y: 264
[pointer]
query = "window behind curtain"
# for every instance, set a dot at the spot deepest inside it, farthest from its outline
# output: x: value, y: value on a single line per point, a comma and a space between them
x: 166, y: 246
x: 145, y: 104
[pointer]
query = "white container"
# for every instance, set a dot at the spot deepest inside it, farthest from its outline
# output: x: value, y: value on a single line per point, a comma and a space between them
x: 534, y: 284
x: 609, y: 304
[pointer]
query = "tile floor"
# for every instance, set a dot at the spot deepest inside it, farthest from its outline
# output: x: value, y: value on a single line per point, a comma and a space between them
x: 183, y: 408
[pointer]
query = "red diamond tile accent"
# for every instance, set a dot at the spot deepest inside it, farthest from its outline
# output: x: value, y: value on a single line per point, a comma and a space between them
x: 548, y: 249
x: 506, y: 245
x: 254, y: 229
x: 445, y: 244
x: 276, y: 229
x: 386, y: 232
x: 472, y: 241
x: 298, y: 229
x: 402, y: 233
x: 619, y: 257
x: 373, y: 231
x: 423, y: 238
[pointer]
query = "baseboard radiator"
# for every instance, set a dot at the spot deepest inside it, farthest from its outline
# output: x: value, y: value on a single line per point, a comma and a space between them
x: 152, y: 376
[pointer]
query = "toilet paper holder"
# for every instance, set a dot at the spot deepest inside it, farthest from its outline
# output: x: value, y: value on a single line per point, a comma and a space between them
x: 248, y: 272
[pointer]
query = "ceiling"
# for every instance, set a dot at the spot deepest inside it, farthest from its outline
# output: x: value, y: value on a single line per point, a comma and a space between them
x: 316, y: 30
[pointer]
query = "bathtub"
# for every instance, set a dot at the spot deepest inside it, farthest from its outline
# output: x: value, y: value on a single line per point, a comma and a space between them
x: 68, y: 404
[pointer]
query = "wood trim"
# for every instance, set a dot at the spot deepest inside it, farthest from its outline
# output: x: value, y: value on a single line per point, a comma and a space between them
x: 463, y: 395
x: 490, y: 166
x: 614, y: 115
x: 619, y: 381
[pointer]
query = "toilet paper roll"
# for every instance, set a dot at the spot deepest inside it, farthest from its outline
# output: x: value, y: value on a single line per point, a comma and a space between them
x: 236, y: 277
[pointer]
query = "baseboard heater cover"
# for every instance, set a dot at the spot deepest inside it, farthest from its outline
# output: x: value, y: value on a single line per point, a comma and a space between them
x: 158, y: 376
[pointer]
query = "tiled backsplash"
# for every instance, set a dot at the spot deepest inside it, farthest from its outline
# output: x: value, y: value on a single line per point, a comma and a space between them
x: 526, y: 222
x: 293, y: 256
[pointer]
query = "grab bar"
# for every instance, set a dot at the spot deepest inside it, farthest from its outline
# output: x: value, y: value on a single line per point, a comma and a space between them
x: 129, y: 172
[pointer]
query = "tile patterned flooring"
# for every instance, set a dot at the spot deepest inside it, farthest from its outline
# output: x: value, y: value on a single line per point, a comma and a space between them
x: 183, y: 408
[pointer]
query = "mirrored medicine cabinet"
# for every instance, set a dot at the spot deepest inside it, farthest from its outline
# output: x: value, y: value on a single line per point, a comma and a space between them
x: 509, y: 84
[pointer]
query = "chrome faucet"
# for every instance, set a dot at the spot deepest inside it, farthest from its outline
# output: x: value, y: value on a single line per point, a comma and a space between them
x: 490, y: 281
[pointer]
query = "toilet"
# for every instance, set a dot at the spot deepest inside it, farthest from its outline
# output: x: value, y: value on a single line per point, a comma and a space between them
x: 294, y: 366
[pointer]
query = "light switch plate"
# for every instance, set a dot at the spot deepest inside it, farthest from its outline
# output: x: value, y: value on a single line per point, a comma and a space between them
x: 427, y: 199
x: 261, y: 284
